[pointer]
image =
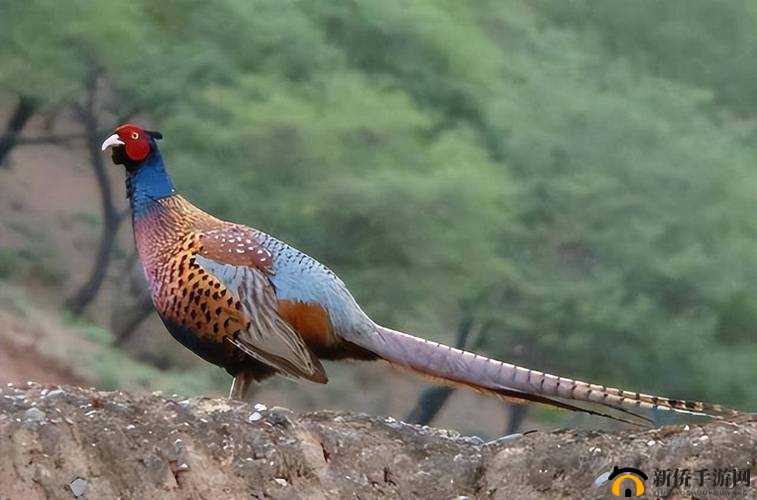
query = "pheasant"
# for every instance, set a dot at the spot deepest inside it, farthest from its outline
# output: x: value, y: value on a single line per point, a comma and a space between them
x: 247, y: 302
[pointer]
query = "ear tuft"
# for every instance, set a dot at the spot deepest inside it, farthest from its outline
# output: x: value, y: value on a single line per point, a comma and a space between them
x: 154, y: 135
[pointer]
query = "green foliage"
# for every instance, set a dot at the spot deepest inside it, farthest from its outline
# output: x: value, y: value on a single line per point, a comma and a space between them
x: 709, y: 44
x: 570, y: 174
x: 96, y: 334
x: 112, y: 370
x: 637, y: 220
x: 49, y: 48
x: 8, y: 259
x: 32, y: 262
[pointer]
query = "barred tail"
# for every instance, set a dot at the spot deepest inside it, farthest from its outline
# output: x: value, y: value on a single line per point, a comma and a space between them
x: 511, y: 381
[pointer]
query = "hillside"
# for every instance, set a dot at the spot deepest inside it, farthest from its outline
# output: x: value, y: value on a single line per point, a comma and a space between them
x: 62, y: 441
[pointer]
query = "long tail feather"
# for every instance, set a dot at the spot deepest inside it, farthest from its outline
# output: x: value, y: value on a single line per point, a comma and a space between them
x: 513, y: 396
x: 508, y: 380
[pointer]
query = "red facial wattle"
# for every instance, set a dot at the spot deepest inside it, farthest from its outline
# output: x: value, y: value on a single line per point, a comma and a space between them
x: 137, y: 150
x: 136, y: 142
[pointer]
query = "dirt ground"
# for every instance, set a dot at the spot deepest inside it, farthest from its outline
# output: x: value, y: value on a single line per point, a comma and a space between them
x: 67, y: 442
x: 23, y: 341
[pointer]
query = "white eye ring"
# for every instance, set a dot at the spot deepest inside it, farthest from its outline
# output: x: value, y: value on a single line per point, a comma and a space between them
x: 134, y: 136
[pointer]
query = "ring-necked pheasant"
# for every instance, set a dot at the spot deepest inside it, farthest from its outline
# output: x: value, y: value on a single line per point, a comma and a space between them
x: 255, y: 306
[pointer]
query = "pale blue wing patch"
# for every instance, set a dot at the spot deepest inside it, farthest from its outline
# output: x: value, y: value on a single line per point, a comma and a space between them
x: 269, y: 338
x: 298, y: 277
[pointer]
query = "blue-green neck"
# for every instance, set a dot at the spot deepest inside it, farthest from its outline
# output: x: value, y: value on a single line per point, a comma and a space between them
x: 147, y: 183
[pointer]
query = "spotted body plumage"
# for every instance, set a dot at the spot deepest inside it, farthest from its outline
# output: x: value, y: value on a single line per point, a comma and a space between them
x: 243, y: 300
x: 210, y: 280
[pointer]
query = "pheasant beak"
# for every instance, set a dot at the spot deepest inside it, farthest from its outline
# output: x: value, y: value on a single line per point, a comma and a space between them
x: 111, y: 141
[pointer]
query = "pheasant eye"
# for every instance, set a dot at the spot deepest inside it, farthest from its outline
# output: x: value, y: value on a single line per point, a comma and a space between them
x: 134, y: 136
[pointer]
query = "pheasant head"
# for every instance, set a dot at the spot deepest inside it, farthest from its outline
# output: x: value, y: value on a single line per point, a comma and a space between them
x: 146, y: 177
x: 131, y: 145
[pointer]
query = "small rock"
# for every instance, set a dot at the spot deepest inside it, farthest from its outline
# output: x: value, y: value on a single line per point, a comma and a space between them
x: 280, y: 417
x: 79, y: 487
x: 506, y: 439
x: 34, y: 415
x: 474, y: 440
x: 152, y: 461
x: 603, y: 478
x: 254, y: 417
x: 280, y: 481
x: 260, y: 407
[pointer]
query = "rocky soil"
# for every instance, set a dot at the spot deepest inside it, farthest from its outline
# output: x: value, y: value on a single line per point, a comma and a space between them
x: 67, y: 442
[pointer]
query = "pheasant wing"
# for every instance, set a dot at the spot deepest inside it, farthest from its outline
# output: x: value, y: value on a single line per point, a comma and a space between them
x: 234, y: 258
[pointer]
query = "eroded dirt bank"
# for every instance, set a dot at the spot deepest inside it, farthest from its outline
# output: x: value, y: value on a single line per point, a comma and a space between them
x: 64, y: 442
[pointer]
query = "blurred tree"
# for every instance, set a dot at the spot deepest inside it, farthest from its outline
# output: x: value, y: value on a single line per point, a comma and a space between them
x: 636, y: 217
x: 55, y: 55
x: 633, y: 207
x: 111, y: 216
x: 136, y: 305
x: 704, y: 43
x: 16, y: 122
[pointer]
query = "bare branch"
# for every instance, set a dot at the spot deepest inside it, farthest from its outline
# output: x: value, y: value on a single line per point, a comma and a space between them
x: 111, y: 215
x: 123, y: 214
x: 24, y: 110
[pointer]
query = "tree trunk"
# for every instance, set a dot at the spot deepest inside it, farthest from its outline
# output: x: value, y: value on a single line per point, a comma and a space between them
x: 24, y: 110
x: 111, y: 218
x: 516, y: 414
x: 131, y: 320
x: 429, y: 404
x: 431, y: 400
x: 128, y: 315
